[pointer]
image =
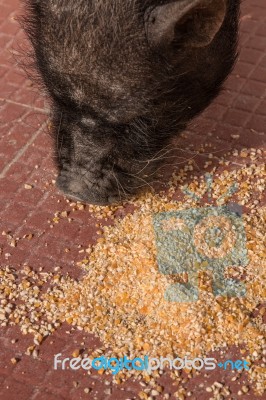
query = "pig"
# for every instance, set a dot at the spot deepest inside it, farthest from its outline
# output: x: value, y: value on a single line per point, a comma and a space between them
x: 124, y: 77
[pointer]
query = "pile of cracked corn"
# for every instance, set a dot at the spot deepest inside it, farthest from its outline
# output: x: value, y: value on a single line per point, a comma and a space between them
x: 121, y: 295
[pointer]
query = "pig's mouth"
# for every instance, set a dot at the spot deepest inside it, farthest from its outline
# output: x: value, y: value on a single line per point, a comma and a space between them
x: 109, y: 188
x: 77, y: 192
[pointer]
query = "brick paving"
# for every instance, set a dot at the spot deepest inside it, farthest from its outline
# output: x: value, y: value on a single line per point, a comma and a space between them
x: 26, y: 157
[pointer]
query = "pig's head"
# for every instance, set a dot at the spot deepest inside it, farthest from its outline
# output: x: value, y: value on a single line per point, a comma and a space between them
x: 124, y: 77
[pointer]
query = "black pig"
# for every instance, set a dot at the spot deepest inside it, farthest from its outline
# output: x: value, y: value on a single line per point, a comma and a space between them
x: 124, y: 77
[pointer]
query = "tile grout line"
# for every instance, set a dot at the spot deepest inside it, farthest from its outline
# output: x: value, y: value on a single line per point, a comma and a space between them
x: 43, y: 111
x: 20, y: 152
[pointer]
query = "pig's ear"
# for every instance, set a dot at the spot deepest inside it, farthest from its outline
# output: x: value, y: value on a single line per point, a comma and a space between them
x: 191, y: 23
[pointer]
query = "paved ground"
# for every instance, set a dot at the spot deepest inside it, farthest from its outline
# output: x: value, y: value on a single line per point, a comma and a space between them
x: 26, y: 158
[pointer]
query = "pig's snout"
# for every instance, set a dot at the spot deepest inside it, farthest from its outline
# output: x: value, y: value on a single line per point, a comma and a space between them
x: 104, y: 191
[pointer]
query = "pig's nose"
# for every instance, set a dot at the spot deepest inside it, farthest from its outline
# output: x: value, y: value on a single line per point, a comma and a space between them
x: 78, y: 190
x: 73, y: 189
x: 76, y: 187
